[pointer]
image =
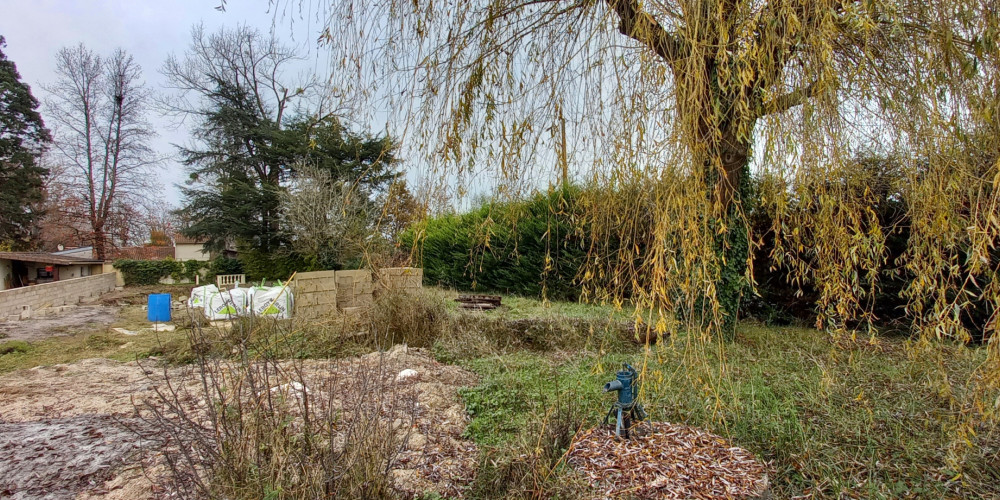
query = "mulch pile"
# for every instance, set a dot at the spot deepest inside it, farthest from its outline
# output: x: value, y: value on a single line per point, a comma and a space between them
x: 664, y: 460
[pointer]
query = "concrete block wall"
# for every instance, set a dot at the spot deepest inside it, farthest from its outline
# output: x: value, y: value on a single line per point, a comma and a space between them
x: 323, y: 293
x: 354, y: 289
x: 315, y: 294
x: 401, y: 278
x: 57, y: 293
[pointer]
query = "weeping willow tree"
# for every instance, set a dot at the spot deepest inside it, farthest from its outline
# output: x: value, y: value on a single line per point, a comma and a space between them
x: 691, y: 115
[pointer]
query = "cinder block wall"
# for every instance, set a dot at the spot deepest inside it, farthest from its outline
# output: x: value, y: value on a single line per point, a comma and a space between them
x: 315, y: 294
x: 401, y: 278
x: 354, y: 288
x: 322, y: 293
x: 58, y: 293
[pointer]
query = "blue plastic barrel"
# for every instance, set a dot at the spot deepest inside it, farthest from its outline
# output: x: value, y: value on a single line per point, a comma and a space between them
x: 159, y: 308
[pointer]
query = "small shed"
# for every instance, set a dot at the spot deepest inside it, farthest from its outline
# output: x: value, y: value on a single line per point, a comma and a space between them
x: 19, y: 269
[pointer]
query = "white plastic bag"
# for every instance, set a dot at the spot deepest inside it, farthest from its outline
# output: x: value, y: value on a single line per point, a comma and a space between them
x: 200, y: 294
x: 275, y: 301
x: 227, y: 304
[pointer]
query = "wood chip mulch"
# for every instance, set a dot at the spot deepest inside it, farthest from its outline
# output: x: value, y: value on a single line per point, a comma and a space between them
x: 665, y: 460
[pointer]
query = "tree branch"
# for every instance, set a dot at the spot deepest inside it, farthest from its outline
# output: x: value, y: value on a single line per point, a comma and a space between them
x: 788, y: 101
x: 643, y: 28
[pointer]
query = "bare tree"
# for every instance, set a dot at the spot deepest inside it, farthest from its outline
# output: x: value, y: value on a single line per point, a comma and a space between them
x: 242, y: 58
x: 98, y: 106
x: 326, y: 219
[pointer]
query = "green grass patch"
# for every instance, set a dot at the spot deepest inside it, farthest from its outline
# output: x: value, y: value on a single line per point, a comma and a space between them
x: 832, y: 421
x: 93, y: 344
x: 14, y: 347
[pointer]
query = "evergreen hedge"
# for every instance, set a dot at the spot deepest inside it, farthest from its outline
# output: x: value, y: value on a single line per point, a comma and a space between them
x: 147, y: 272
x: 529, y: 247
x: 150, y: 272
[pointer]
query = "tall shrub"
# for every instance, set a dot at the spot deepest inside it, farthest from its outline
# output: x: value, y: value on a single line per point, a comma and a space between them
x: 530, y: 247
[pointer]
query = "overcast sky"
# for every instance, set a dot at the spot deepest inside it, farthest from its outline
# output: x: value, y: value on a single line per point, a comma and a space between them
x: 148, y: 29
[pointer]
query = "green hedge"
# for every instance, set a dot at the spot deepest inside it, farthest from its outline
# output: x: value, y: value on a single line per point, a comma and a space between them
x: 147, y: 272
x: 223, y: 265
x: 275, y: 266
x: 150, y: 272
x: 529, y: 247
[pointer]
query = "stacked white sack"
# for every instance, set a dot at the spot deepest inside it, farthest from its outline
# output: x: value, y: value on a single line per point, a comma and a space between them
x: 200, y: 294
x: 275, y: 301
x: 227, y: 304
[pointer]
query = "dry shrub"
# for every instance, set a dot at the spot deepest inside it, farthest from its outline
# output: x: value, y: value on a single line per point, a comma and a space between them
x: 252, y: 425
x: 471, y: 335
x: 413, y: 318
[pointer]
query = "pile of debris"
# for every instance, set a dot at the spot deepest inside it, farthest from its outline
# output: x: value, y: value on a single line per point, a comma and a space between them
x: 478, y: 302
x: 664, y: 460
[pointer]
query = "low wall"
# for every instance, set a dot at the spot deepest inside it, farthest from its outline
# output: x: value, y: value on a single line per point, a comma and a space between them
x: 354, y: 289
x: 58, y: 293
x: 401, y: 278
x: 322, y: 293
x: 315, y: 294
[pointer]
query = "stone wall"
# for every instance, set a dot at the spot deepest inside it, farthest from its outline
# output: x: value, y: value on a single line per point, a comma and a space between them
x: 57, y: 293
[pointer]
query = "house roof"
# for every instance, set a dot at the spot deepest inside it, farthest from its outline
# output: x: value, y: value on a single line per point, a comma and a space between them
x: 72, y: 250
x: 142, y: 253
x: 180, y: 239
x: 47, y: 258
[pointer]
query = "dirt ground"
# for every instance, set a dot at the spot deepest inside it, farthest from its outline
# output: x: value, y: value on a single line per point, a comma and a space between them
x: 44, y: 325
x: 66, y: 431
x: 56, y: 458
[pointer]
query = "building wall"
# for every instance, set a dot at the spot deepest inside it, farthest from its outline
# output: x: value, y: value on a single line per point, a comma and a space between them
x: 57, y: 293
x: 108, y: 267
x: 75, y: 271
x: 6, y: 274
x: 190, y: 251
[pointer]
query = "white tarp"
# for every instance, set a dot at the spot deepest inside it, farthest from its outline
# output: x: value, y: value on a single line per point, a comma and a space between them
x: 275, y: 301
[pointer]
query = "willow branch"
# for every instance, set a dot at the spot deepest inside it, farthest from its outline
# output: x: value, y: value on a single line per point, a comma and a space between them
x: 643, y: 28
x: 788, y: 101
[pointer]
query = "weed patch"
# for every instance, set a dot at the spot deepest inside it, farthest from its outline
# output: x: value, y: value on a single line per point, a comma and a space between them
x: 14, y: 347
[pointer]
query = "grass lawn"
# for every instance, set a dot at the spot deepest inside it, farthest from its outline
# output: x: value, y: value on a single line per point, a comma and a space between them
x: 96, y: 343
x: 833, y: 420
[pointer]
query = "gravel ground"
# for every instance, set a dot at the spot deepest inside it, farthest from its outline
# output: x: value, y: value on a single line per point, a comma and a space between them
x: 43, y: 326
x: 61, y: 457
x: 62, y: 432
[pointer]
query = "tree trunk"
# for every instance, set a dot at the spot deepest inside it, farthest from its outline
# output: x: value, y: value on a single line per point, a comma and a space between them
x: 728, y: 164
x: 100, y: 242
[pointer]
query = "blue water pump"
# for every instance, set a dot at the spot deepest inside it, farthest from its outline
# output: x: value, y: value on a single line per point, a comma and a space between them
x: 627, y: 409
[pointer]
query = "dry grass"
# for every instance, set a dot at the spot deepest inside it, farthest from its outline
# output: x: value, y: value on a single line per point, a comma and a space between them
x: 253, y: 425
x: 101, y: 342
